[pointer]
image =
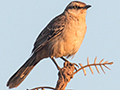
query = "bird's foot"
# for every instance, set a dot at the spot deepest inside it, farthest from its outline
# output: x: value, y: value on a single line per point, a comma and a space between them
x: 75, y: 65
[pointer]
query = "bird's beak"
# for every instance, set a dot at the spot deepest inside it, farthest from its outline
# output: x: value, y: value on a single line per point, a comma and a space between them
x: 87, y: 6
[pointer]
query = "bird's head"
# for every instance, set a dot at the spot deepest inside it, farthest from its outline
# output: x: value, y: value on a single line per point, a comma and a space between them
x: 77, y: 8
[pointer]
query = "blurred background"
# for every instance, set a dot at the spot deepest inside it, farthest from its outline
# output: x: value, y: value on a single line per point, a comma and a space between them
x: 22, y: 20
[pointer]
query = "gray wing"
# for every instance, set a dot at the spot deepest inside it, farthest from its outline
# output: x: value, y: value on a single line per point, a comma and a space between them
x: 53, y: 29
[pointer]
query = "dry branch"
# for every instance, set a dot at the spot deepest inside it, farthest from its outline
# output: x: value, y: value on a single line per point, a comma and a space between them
x: 65, y: 74
x: 42, y: 88
x: 94, y: 64
x: 69, y: 70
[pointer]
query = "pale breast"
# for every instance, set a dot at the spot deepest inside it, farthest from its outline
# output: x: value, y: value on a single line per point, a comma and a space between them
x: 69, y: 41
x: 73, y: 37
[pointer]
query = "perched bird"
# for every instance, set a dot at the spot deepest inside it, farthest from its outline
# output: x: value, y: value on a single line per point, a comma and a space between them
x: 61, y: 37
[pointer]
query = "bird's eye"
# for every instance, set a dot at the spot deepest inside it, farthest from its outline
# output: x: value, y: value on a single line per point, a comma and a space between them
x: 76, y: 7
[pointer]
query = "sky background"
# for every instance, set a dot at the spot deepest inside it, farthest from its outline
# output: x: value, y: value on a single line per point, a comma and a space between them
x: 22, y: 20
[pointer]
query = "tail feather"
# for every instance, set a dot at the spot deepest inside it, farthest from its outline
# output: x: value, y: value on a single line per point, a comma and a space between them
x: 22, y: 73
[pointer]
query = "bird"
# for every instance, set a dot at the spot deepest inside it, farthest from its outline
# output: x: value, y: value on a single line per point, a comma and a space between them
x: 61, y: 38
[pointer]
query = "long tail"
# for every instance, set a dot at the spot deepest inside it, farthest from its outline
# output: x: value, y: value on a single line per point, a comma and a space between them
x: 22, y: 73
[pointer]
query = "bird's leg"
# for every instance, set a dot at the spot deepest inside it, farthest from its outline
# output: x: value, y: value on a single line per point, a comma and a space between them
x: 64, y: 59
x: 55, y: 63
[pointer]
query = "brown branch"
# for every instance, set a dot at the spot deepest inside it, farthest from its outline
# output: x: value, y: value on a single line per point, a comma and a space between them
x: 65, y: 74
x: 94, y: 64
x: 42, y: 88
x: 68, y: 71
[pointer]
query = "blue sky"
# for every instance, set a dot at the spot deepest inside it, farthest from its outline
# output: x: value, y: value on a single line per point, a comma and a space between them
x: 21, y: 22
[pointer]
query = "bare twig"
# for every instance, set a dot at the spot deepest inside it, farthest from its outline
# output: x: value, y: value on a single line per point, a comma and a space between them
x: 69, y: 70
x: 42, y: 88
x: 84, y: 71
x: 94, y: 64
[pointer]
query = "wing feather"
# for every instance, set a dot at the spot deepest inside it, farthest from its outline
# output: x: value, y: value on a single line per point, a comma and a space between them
x: 53, y: 29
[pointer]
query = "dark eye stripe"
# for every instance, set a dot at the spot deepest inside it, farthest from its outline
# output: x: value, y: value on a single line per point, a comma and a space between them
x: 79, y: 7
x: 75, y: 7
